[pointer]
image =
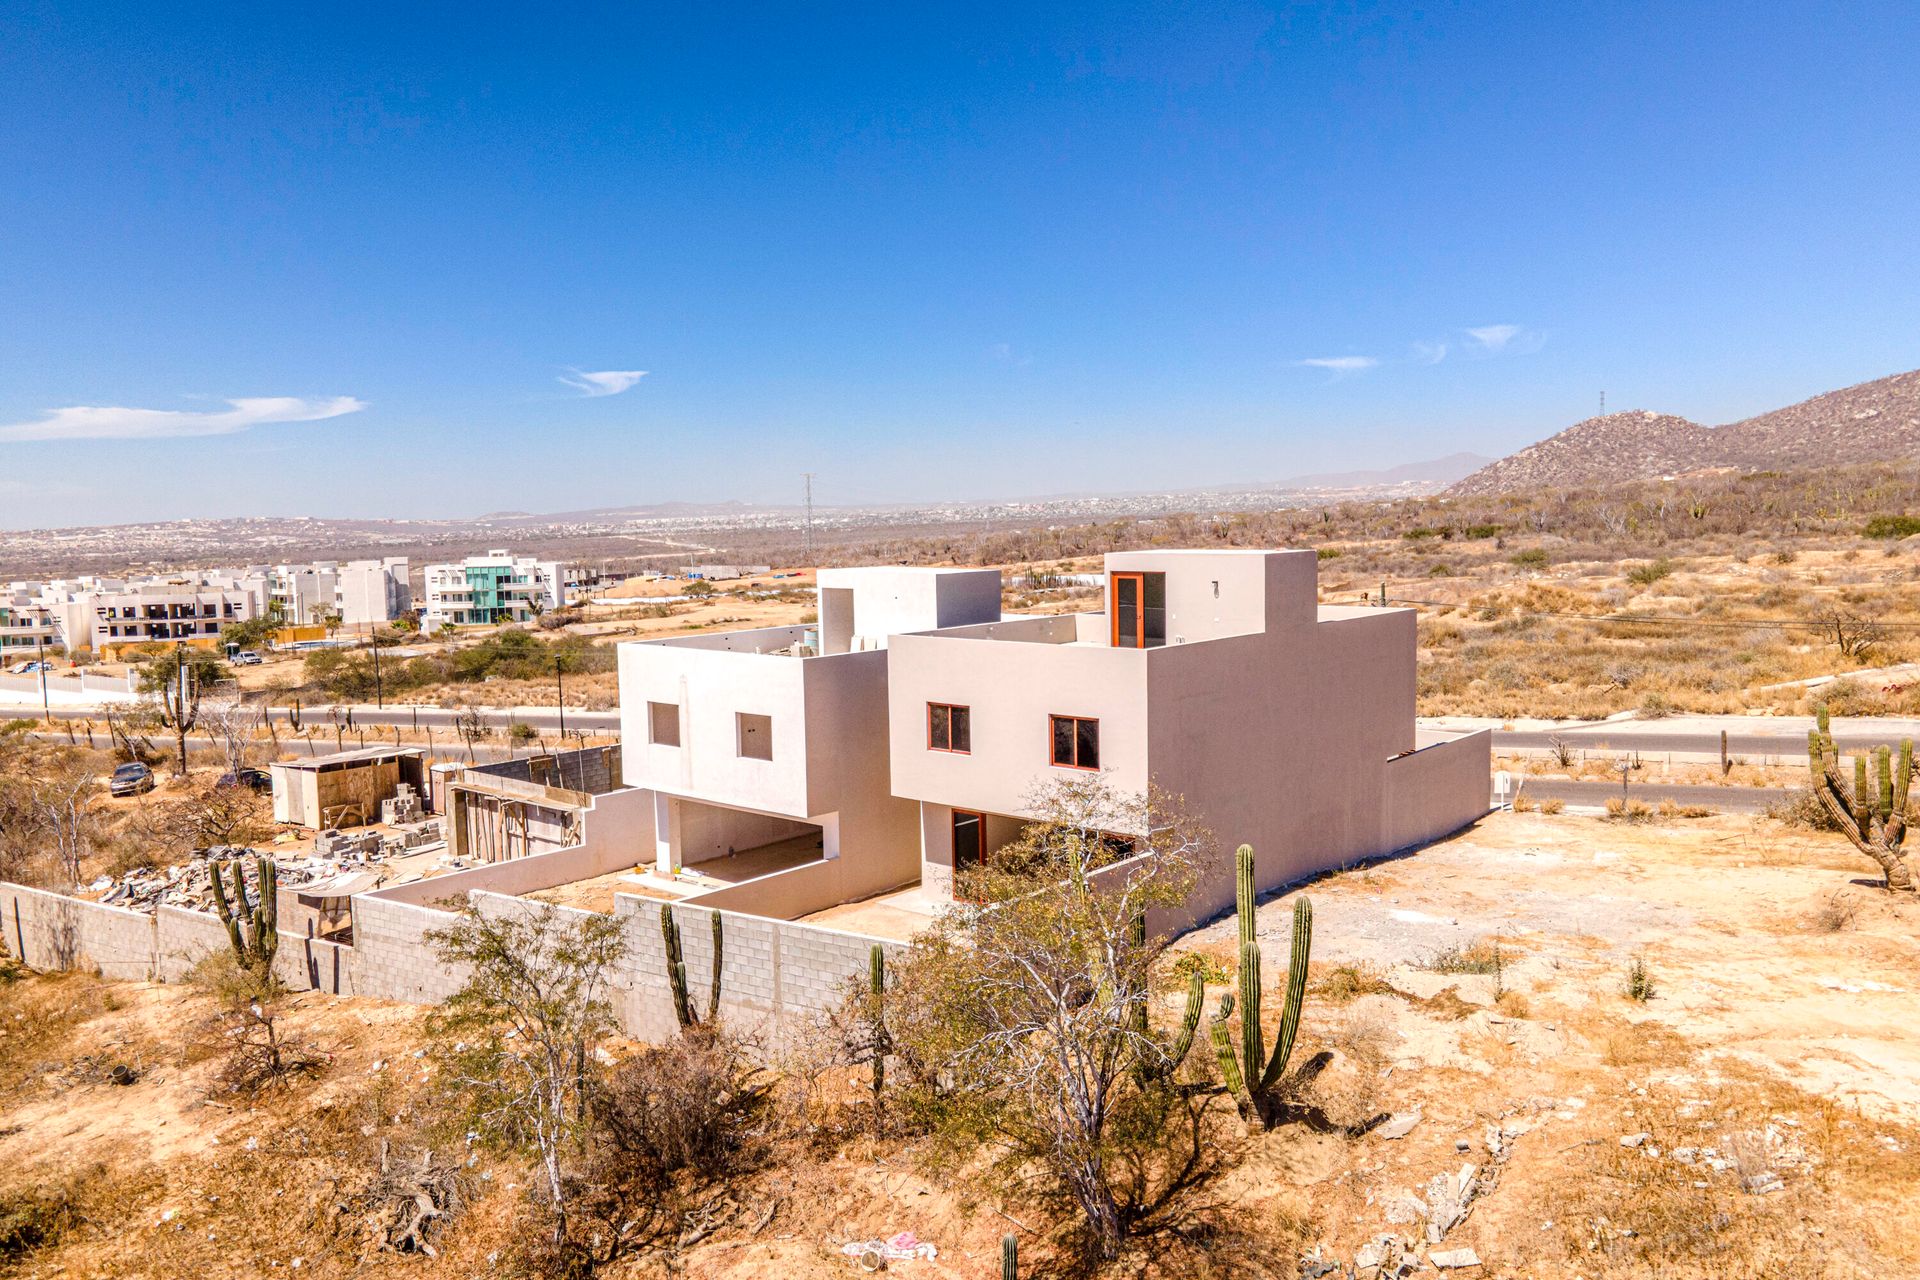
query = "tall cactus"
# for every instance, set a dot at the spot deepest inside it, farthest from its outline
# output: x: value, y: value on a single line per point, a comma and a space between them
x: 1253, y: 1073
x: 252, y: 926
x: 1871, y: 810
x: 1009, y: 1257
x: 880, y: 1039
x: 683, y: 1010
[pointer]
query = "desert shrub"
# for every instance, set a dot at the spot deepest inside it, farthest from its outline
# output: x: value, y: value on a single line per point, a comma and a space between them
x: 1552, y: 805
x: 1639, y: 986
x: 1835, y: 914
x: 1633, y: 811
x: 1647, y: 574
x: 1482, y: 955
x: 1439, y: 570
x: 1529, y: 558
x: 1211, y: 971
x: 1851, y: 698
x: 33, y: 1219
x: 1802, y: 809
x: 1481, y: 531
x: 1655, y: 705
x: 1892, y: 527
x: 1328, y: 553
x: 1346, y: 983
x: 698, y: 1104
x: 1423, y: 532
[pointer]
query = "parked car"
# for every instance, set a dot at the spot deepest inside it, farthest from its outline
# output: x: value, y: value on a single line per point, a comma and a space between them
x: 131, y: 779
x: 246, y: 658
x: 257, y: 779
x: 30, y: 668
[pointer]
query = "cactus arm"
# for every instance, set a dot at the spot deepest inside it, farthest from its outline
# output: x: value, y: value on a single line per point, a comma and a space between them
x: 1862, y: 798
x: 1252, y: 1037
x: 1243, y: 894
x: 676, y: 969
x: 224, y: 909
x: 1296, y: 994
x: 266, y: 936
x: 1009, y: 1257
x: 1224, y: 1050
x: 877, y: 982
x: 713, y: 995
x: 1896, y: 822
x: 1196, y: 1002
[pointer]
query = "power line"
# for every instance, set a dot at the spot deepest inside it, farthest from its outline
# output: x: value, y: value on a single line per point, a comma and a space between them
x: 808, y: 477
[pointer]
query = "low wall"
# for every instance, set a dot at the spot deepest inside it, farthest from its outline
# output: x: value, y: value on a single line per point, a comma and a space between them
x: 54, y: 931
x: 1437, y: 790
x: 392, y: 959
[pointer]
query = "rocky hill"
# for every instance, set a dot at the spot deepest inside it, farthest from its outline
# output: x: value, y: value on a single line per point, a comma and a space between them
x: 1871, y: 422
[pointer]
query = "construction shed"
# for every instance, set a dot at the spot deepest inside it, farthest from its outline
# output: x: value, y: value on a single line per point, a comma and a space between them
x: 535, y: 804
x: 344, y: 789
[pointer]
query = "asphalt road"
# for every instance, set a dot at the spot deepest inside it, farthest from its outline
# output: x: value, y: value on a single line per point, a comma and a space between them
x: 1785, y: 739
x: 1596, y: 794
x: 407, y: 717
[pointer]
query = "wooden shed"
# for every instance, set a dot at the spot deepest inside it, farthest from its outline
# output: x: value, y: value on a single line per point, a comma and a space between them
x: 344, y: 789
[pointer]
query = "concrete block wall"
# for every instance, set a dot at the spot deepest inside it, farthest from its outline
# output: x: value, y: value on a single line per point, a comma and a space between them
x: 392, y: 959
x: 183, y: 938
x: 1436, y: 790
x: 53, y: 931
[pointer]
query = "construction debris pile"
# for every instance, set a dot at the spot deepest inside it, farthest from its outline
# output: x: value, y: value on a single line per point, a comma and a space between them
x: 336, y: 854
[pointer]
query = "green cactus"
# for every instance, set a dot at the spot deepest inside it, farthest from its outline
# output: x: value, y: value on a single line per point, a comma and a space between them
x: 1872, y: 811
x: 253, y: 927
x: 683, y: 1010
x: 882, y: 1041
x: 1009, y: 1257
x: 1252, y: 1072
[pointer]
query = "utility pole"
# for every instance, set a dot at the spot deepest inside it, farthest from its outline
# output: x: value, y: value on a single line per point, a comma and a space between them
x: 40, y: 654
x: 808, y: 477
x: 379, y: 697
x: 1603, y: 403
x: 560, y: 693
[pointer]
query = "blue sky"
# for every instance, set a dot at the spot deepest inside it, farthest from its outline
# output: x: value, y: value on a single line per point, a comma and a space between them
x: 358, y: 259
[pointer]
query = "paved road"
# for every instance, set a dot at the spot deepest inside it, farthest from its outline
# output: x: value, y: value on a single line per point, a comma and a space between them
x: 1783, y: 737
x: 1596, y: 794
x: 407, y: 717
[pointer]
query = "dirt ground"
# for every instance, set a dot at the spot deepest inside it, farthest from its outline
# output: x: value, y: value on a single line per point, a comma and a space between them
x: 1755, y: 1117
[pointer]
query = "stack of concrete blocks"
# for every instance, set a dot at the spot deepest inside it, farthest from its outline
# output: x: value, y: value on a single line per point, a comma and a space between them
x: 414, y: 835
x: 402, y: 807
x: 340, y: 844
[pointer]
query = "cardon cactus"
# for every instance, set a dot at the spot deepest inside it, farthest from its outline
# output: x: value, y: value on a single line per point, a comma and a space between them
x: 1163, y: 1066
x: 1009, y: 1257
x: 1871, y: 811
x: 1252, y: 1072
x: 881, y: 1039
x: 683, y: 1010
x: 252, y: 926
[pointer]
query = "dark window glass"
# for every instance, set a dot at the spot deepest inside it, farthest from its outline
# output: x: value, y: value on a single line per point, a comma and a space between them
x: 962, y: 729
x: 1154, y: 611
x: 1076, y: 742
x: 1088, y: 735
x: 1126, y: 610
x: 939, y: 726
x: 1062, y: 740
x: 968, y: 840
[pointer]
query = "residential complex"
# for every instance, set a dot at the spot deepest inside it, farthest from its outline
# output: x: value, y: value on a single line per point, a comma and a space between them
x: 356, y: 592
x: 495, y: 587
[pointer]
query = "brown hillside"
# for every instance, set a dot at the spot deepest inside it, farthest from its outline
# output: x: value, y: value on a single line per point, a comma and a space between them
x: 1874, y: 421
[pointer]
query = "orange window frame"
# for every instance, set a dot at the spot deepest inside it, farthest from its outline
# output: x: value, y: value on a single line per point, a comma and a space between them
x: 1053, y: 721
x: 950, y: 708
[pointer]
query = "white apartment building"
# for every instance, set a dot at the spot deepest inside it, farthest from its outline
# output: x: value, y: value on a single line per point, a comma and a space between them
x: 358, y: 592
x: 26, y: 625
x: 495, y: 587
x: 108, y: 615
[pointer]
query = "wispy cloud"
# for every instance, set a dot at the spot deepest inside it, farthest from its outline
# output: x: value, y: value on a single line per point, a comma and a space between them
x: 1429, y: 352
x: 1340, y: 364
x: 607, y: 382
x: 103, y: 422
x: 1505, y: 339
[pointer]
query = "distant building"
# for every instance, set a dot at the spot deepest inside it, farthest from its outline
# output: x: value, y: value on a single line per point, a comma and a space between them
x: 357, y: 592
x: 105, y: 616
x: 25, y: 625
x: 727, y: 572
x: 495, y: 587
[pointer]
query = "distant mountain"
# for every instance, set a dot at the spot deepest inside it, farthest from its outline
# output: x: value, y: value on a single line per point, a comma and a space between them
x: 1872, y: 422
x: 1434, y: 471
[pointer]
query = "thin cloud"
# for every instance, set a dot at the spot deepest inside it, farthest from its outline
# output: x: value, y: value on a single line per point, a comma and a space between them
x: 1506, y: 339
x: 1340, y: 366
x: 1429, y: 352
x: 607, y: 382
x: 102, y: 422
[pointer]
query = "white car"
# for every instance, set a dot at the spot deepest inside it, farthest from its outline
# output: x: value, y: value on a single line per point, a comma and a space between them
x: 246, y: 658
x: 30, y: 668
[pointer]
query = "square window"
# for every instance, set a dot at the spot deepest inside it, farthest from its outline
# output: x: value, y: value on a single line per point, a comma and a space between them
x: 1076, y: 742
x: 755, y: 734
x: 949, y: 728
x: 663, y: 724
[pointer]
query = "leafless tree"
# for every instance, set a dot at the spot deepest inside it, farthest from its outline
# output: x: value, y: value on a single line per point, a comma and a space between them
x: 1855, y: 635
x: 233, y: 720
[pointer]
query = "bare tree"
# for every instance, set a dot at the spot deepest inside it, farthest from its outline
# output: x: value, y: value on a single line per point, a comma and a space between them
x: 521, y: 1030
x: 1855, y: 635
x: 471, y: 728
x: 63, y: 802
x: 176, y: 686
x: 233, y: 720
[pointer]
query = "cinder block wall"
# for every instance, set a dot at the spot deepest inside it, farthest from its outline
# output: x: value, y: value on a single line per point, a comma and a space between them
x: 53, y: 931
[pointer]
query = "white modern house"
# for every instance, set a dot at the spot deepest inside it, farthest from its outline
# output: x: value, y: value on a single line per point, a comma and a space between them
x: 491, y: 588
x: 909, y: 731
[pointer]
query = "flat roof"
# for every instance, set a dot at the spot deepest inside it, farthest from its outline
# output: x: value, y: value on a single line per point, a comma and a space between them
x: 344, y: 759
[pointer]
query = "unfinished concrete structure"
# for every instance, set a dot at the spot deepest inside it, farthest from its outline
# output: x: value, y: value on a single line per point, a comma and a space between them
x: 344, y: 788
x: 535, y: 804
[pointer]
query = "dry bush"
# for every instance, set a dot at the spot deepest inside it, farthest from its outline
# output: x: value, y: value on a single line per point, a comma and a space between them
x: 1552, y: 806
x: 1343, y: 984
x: 1803, y: 811
x: 1632, y: 811
x: 698, y: 1104
x: 259, y: 1054
x: 1835, y: 914
x: 1482, y: 955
